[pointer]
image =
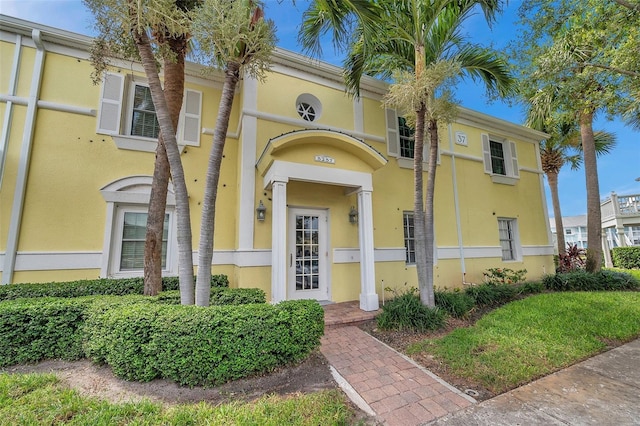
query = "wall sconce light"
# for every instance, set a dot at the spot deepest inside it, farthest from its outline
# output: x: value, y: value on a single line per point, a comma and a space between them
x: 353, y: 215
x: 261, y: 210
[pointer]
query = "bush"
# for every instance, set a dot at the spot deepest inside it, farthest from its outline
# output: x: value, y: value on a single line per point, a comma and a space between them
x: 586, y: 281
x: 532, y: 287
x: 48, y: 328
x: 220, y: 296
x: 573, y: 259
x: 490, y: 294
x: 626, y: 257
x: 456, y: 303
x: 504, y: 276
x: 100, y: 286
x: 406, y: 311
x: 202, y: 346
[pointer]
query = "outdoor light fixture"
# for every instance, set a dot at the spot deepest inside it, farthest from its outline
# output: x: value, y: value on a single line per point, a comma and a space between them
x: 260, y: 212
x: 353, y: 215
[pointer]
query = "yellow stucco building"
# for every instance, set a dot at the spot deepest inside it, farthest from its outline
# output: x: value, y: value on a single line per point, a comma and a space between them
x: 333, y: 173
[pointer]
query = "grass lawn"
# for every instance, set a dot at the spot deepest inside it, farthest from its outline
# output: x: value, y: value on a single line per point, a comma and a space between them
x: 529, y: 338
x: 28, y: 399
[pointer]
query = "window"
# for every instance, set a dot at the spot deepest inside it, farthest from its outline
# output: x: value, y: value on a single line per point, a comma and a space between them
x: 127, y: 114
x: 507, y: 234
x: 306, y: 111
x: 144, y: 121
x: 497, y: 158
x: 126, y: 226
x: 407, y: 140
x: 134, y: 231
x: 567, y: 231
x: 409, y: 239
x: 500, y: 160
x: 308, y: 107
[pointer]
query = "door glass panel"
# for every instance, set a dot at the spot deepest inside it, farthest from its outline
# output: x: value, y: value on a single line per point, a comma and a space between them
x: 307, y: 260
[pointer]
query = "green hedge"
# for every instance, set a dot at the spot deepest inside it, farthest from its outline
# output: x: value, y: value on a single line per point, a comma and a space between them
x: 48, y: 328
x: 626, y: 257
x: 142, y: 339
x: 221, y: 296
x: 100, y: 286
x: 202, y: 346
x: 586, y: 281
x: 492, y: 294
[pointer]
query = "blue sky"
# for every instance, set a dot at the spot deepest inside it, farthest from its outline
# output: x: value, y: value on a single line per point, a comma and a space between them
x: 617, y: 171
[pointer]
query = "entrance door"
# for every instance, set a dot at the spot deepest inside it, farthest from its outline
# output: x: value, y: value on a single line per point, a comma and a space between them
x: 307, y: 254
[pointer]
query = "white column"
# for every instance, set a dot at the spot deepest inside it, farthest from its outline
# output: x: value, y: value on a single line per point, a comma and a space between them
x: 279, y: 241
x: 247, y: 173
x: 368, y: 296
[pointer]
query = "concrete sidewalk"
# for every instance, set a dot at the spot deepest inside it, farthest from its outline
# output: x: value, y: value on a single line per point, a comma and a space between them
x: 603, y: 390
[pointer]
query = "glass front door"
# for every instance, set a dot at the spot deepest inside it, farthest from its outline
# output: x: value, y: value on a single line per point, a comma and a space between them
x: 307, y: 254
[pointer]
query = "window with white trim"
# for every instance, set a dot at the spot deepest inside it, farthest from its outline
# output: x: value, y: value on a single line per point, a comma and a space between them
x: 134, y: 230
x: 500, y: 159
x: 144, y: 121
x: 127, y: 114
x: 508, y: 234
x: 129, y: 238
x: 126, y: 224
x: 401, y: 141
x: 409, y: 238
x: 407, y: 140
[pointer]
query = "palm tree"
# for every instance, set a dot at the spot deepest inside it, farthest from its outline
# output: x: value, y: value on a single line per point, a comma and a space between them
x: 421, y: 38
x: 174, y: 91
x: 239, y: 40
x: 124, y: 28
x: 564, y: 147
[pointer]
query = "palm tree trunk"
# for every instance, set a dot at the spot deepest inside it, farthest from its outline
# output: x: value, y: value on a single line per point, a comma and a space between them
x: 174, y: 91
x: 429, y: 298
x: 419, y: 222
x: 557, y: 214
x: 205, y: 251
x: 594, y: 222
x: 185, y: 248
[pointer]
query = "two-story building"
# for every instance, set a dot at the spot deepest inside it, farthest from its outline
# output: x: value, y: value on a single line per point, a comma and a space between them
x: 333, y: 173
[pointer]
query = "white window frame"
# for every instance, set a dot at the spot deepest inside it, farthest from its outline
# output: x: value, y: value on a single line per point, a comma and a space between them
x: 116, y: 242
x: 516, y: 248
x: 131, y: 194
x: 405, y: 215
x: 393, y: 142
x: 512, y: 171
x: 116, y: 114
x: 128, y: 125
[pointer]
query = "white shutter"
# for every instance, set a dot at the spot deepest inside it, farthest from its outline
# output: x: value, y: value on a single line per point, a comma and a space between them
x: 111, y: 104
x: 486, y: 154
x: 514, y: 159
x: 393, y: 138
x: 190, y: 118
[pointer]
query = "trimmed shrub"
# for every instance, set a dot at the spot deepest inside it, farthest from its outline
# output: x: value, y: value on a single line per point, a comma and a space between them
x: 49, y: 328
x: 586, y: 281
x: 101, y: 286
x: 406, y: 312
x: 456, y: 303
x: 202, y: 346
x: 626, y: 257
x: 220, y: 296
x: 490, y: 294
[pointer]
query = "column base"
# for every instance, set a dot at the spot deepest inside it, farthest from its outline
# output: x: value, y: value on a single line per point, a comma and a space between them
x: 369, y: 302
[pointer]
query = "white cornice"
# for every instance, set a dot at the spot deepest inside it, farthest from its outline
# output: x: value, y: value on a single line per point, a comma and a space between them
x: 498, y: 125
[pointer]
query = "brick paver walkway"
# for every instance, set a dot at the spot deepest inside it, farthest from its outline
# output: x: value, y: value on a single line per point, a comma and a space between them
x: 394, y: 388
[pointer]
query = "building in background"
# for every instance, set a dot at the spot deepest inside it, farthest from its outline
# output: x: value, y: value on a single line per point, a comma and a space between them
x: 333, y: 174
x: 575, y: 231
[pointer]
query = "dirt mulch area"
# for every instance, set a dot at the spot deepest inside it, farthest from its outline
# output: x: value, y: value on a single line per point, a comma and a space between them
x: 92, y: 380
